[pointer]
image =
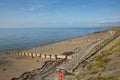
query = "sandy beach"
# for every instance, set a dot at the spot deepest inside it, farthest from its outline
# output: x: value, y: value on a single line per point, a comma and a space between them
x: 14, y: 66
x: 68, y: 45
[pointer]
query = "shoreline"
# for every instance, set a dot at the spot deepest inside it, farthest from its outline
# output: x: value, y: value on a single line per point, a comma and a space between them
x: 42, y: 45
x: 23, y: 64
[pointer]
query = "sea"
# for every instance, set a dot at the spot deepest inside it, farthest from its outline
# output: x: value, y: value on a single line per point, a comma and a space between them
x: 15, y: 39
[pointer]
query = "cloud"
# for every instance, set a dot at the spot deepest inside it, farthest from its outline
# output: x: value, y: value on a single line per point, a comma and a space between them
x: 105, y: 23
x: 36, y: 4
x: 34, y: 7
x: 110, y: 22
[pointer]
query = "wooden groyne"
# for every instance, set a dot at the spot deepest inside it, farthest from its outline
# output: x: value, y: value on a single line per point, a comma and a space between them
x: 83, y: 40
x: 35, y: 55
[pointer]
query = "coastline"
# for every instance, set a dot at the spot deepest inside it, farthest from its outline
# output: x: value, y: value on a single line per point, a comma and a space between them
x: 33, y: 63
x: 3, y: 51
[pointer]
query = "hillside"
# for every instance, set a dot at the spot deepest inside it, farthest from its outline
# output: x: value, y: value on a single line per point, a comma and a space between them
x: 105, y: 65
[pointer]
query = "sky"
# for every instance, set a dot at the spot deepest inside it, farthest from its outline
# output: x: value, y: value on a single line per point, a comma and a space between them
x: 59, y: 13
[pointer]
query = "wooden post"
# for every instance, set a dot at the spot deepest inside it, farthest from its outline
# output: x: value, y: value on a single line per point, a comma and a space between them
x: 40, y: 55
x: 28, y: 54
x: 65, y: 56
x: 45, y: 55
x: 19, y: 53
x: 32, y: 55
x: 50, y: 56
x: 55, y: 56
x: 25, y: 54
